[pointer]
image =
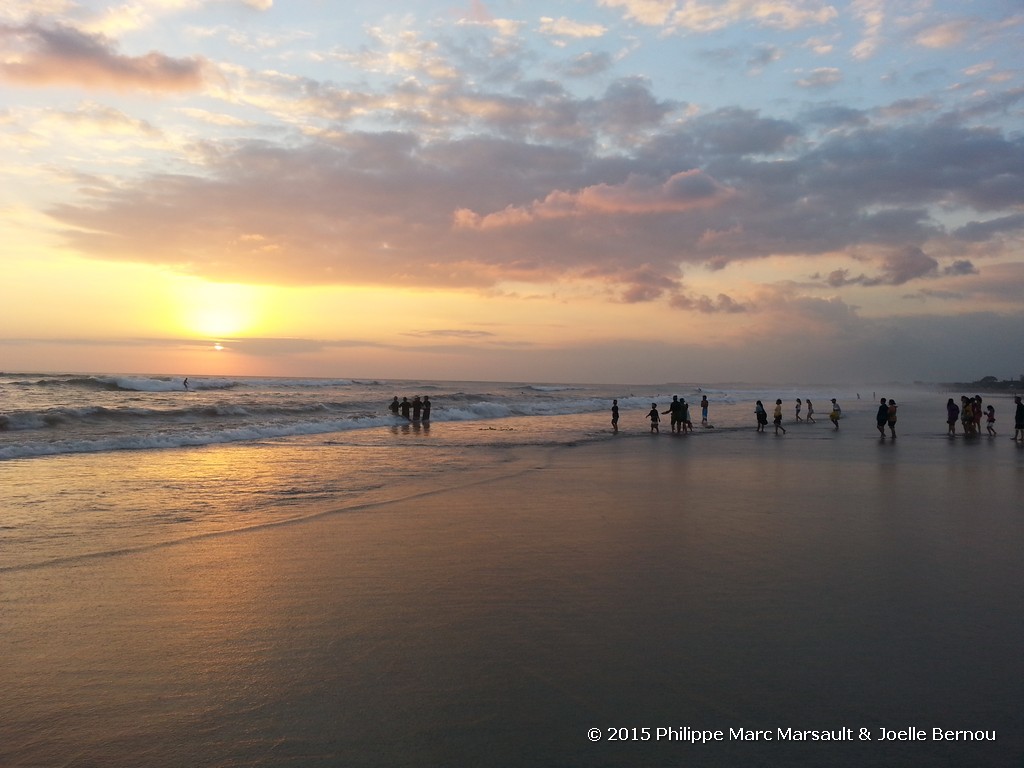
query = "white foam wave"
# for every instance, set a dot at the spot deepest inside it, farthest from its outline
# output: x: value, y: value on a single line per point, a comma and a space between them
x: 186, y: 439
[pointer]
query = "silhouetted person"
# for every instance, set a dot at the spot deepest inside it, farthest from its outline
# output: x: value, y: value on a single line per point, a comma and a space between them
x: 395, y: 405
x: 881, y: 417
x: 653, y: 416
x: 1018, y: 420
x: 704, y: 410
x: 426, y: 408
x: 406, y: 407
x: 762, y: 416
x: 615, y: 415
x: 778, y: 417
x: 417, y: 408
x: 891, y: 418
x: 952, y: 415
x: 675, y: 414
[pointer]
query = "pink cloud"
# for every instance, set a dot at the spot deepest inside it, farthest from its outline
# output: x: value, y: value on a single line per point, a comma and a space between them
x: 638, y: 195
x: 61, y: 55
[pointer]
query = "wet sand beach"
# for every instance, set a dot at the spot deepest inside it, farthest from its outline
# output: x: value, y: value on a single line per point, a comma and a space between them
x: 732, y: 585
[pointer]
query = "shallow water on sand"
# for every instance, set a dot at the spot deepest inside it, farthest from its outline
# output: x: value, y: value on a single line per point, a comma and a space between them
x: 517, y: 595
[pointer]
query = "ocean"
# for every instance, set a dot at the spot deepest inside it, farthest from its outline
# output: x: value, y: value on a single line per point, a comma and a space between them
x: 280, y: 572
x: 96, y: 463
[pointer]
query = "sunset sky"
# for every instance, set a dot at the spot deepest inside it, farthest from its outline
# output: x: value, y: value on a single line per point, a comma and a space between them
x: 575, y: 190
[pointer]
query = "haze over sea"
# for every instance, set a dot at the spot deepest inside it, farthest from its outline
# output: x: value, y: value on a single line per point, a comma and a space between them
x: 280, y: 572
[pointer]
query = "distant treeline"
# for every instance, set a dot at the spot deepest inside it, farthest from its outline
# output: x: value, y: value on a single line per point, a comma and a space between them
x: 988, y: 383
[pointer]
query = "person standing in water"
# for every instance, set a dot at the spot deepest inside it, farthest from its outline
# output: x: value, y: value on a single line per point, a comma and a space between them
x: 615, y: 415
x: 675, y: 414
x: 762, y: 416
x: 704, y: 410
x: 881, y: 417
x: 1018, y: 420
x: 952, y: 416
x: 426, y: 408
x: 185, y: 383
x: 836, y: 414
x: 799, y: 405
x: 653, y: 416
x: 778, y: 417
x: 990, y: 425
x: 891, y: 418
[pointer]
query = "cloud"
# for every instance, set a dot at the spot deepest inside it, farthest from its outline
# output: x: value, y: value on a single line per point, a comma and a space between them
x: 62, y: 55
x: 637, y: 195
x: 563, y: 27
x: 451, y: 333
x: 896, y: 269
x: 589, y: 64
x: 871, y: 14
x: 723, y: 303
x: 823, y: 77
x: 480, y: 181
x: 960, y: 267
x: 706, y: 17
x: 983, y: 231
x: 945, y: 35
x: 763, y: 56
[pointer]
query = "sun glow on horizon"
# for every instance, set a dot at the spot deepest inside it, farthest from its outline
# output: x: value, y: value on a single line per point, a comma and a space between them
x: 220, y: 310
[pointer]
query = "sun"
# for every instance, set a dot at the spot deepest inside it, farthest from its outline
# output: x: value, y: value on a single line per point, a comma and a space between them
x: 220, y: 310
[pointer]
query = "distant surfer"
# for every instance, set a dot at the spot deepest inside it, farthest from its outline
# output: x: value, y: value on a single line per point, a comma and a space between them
x: 185, y: 382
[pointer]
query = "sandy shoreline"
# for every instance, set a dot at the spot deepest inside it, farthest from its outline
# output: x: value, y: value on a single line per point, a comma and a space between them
x: 632, y: 584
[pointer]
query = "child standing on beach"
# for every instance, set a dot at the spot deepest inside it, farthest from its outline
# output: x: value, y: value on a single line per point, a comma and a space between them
x: 991, y: 420
x: 653, y: 416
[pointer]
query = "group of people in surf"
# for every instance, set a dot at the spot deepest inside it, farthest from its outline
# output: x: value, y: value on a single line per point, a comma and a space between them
x: 762, y: 415
x: 416, y: 410
x: 971, y: 411
x: 678, y: 413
